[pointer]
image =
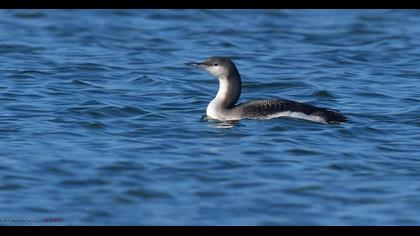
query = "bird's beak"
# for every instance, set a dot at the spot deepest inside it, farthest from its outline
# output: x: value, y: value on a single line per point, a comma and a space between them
x: 196, y: 64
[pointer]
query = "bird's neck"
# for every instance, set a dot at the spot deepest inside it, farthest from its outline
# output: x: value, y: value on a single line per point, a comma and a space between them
x: 229, y: 91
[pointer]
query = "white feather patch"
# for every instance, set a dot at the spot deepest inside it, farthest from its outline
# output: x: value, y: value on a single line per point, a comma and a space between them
x: 298, y: 115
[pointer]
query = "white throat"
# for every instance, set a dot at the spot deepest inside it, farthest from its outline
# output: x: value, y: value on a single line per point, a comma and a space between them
x: 216, y: 107
x: 223, y: 92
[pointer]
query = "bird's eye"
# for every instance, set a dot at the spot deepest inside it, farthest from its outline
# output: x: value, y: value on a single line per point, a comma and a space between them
x: 215, y: 64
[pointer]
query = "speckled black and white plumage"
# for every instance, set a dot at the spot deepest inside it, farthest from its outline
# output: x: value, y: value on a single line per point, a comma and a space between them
x: 263, y: 109
x: 223, y: 107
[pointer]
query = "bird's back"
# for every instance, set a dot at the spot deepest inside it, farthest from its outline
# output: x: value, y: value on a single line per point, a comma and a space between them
x: 267, y: 109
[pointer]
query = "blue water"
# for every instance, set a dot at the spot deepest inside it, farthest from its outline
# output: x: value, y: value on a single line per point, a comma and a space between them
x: 101, y: 123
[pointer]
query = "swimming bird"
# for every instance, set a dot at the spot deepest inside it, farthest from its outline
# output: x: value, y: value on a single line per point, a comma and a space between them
x: 223, y: 107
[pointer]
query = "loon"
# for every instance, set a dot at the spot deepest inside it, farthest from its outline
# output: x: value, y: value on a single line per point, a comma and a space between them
x: 223, y: 107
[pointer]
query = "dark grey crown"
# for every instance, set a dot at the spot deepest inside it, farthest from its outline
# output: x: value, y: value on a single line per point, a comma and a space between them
x: 222, y: 61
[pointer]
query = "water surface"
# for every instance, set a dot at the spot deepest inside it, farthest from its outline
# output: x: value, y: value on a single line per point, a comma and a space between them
x: 101, y: 121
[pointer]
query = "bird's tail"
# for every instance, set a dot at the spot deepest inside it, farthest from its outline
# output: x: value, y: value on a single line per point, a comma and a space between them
x: 331, y: 116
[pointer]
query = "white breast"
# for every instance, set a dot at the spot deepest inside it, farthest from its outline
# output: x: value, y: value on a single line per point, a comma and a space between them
x: 213, y: 110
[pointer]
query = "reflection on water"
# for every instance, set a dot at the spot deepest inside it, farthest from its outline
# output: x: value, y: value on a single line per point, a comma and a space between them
x: 220, y: 124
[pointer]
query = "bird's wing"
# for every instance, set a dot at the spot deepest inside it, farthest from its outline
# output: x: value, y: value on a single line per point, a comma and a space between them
x: 260, y: 108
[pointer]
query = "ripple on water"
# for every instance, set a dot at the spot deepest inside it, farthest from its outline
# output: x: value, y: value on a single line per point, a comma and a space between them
x: 75, y: 183
x: 84, y: 83
x: 324, y: 94
x: 90, y: 67
x: 93, y: 125
x: 19, y: 49
x: 30, y: 15
x: 145, y: 80
x: 303, y: 152
x: 91, y: 109
x: 42, y: 210
x: 119, y: 166
x: 147, y: 193
x: 11, y: 187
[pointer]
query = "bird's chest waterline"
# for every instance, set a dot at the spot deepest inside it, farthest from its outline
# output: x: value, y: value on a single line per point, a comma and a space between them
x: 215, y: 110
